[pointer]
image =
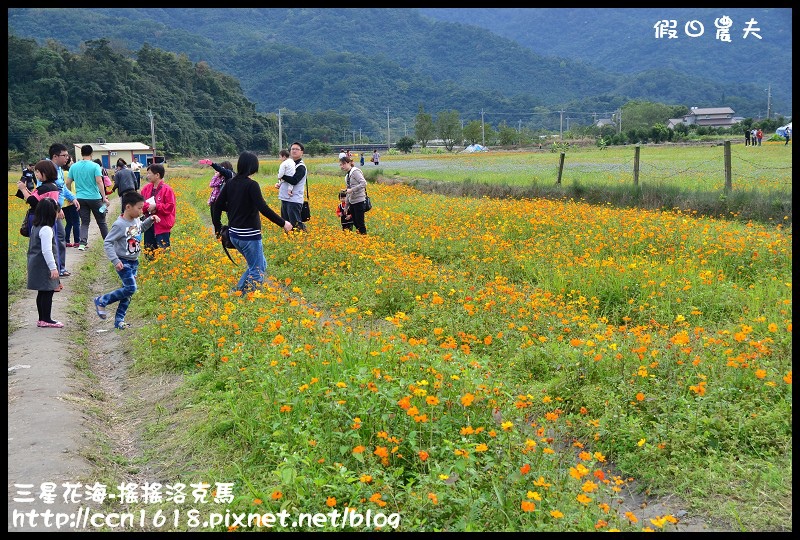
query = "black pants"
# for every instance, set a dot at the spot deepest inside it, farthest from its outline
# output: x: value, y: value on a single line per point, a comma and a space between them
x: 357, y: 211
x: 44, y: 305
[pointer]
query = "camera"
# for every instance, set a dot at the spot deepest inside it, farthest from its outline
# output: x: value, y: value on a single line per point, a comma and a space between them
x: 29, y: 178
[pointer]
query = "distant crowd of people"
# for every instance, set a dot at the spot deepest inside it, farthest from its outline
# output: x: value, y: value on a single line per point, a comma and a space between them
x: 64, y: 197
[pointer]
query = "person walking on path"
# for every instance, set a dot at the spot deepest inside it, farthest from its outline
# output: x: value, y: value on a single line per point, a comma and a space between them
x: 159, y: 200
x: 42, y: 267
x: 747, y: 137
x: 788, y: 134
x: 122, y: 246
x: 124, y: 179
x: 244, y: 203
x: 88, y: 178
x: 136, y: 169
x: 356, y: 192
x: 759, y: 135
x: 376, y: 157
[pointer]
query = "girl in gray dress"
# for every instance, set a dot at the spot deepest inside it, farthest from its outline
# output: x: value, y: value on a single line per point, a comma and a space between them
x: 42, y: 267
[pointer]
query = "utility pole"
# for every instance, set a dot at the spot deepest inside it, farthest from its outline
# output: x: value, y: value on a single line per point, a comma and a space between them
x: 769, y: 100
x: 360, y: 140
x: 280, y: 131
x: 561, y: 129
x: 153, y: 133
x: 483, y: 131
x: 619, y: 120
x: 388, y: 133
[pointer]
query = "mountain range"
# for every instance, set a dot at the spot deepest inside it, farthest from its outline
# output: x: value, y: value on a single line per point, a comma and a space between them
x: 512, y: 65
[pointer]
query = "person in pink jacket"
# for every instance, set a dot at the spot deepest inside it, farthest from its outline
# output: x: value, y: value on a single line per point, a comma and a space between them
x: 160, y: 201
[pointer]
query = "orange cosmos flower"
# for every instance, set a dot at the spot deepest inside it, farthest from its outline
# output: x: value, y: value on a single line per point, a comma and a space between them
x: 358, y: 449
x: 639, y: 396
x: 423, y: 455
x: 331, y: 501
x: 376, y: 498
x: 525, y: 469
x: 467, y: 399
x: 527, y: 506
x: 556, y: 514
x: 276, y: 495
x: 433, y: 498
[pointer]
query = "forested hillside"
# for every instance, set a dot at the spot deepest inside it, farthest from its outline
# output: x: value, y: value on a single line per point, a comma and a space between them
x: 597, y: 35
x: 376, y: 65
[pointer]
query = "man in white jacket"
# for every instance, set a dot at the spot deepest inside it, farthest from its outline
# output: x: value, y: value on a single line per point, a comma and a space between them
x: 292, y: 205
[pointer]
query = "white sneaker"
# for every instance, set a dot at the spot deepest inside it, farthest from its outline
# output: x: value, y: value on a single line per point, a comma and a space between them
x: 82, y: 247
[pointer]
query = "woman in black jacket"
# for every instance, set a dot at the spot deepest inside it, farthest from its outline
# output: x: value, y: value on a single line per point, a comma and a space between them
x: 243, y: 201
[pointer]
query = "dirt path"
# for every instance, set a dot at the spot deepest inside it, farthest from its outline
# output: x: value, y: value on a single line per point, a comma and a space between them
x: 61, y: 387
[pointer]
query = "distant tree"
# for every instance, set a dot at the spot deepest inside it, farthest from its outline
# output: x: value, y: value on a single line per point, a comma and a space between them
x: 404, y: 144
x: 507, y: 135
x: 315, y: 147
x: 659, y: 133
x: 448, y: 126
x: 646, y: 114
x: 424, y: 129
x: 473, y: 133
x: 489, y: 134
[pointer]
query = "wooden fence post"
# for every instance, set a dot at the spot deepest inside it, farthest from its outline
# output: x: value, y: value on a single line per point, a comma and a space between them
x: 560, y: 167
x: 636, y: 165
x: 728, y: 174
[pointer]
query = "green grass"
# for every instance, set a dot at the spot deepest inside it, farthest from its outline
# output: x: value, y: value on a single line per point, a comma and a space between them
x: 522, y: 347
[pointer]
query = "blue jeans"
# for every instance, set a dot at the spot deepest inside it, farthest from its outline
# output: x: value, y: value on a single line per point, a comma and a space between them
x: 124, y: 294
x: 73, y: 224
x: 253, y: 252
x: 62, y: 246
x: 155, y: 241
